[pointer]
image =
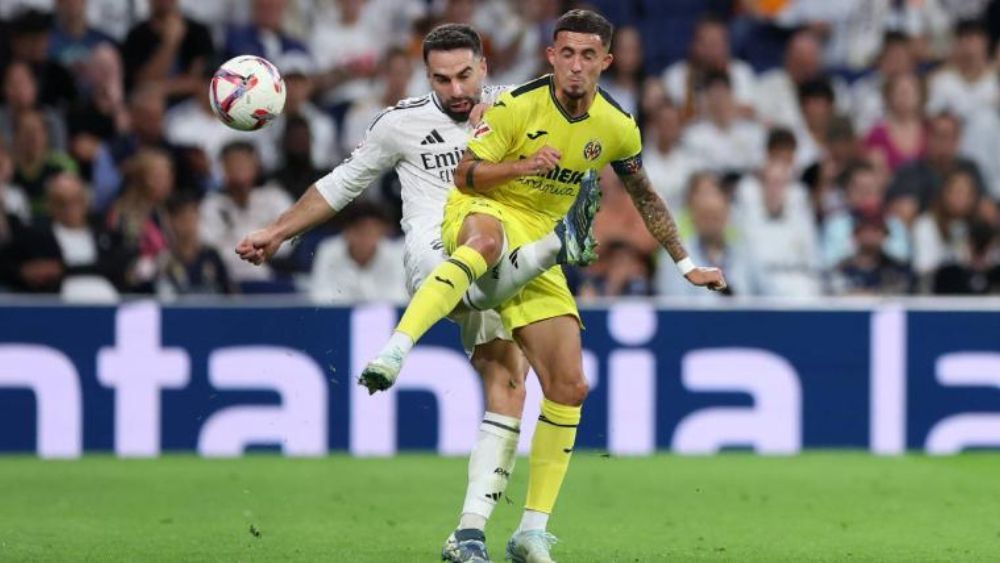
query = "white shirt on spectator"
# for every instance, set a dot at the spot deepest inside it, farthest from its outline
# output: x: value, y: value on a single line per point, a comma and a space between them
x: 77, y: 246
x: 740, y: 147
x: 748, y: 199
x: 337, y: 278
x: 334, y: 45
x: 867, y: 104
x: 981, y: 143
x: 931, y: 250
x: 670, y: 172
x: 15, y: 202
x: 785, y: 251
x: 675, y: 79
x: 777, y: 99
x: 224, y: 224
x: 950, y: 92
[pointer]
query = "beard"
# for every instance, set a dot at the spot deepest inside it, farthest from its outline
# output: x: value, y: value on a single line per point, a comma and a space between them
x: 459, y: 116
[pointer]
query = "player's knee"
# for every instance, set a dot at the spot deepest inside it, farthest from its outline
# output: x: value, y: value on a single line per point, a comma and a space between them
x: 571, y: 392
x: 488, y: 246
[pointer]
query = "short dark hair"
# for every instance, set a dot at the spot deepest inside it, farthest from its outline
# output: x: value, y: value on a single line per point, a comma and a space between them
x: 781, y: 138
x: 180, y: 201
x: 713, y: 77
x: 237, y: 146
x: 360, y: 210
x: 451, y: 36
x: 817, y: 88
x: 969, y: 27
x: 894, y: 37
x: 585, y: 21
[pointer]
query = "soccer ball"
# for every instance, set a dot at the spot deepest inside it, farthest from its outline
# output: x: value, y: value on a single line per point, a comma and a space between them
x: 247, y: 92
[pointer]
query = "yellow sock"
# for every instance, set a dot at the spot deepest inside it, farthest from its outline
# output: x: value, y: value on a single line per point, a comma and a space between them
x: 441, y: 291
x: 551, y: 448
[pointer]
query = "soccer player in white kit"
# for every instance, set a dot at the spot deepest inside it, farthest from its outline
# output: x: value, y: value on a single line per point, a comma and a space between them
x: 424, y: 138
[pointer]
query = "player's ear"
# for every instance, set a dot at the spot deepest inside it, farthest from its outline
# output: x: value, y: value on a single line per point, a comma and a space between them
x: 483, y: 67
x: 608, y: 58
x: 550, y: 54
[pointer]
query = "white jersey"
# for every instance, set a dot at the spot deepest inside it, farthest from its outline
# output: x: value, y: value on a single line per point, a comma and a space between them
x: 424, y: 145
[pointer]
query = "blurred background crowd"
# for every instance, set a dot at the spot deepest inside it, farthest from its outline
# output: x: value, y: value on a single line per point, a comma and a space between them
x: 808, y: 147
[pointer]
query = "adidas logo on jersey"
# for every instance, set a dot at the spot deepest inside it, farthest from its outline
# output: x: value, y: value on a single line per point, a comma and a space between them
x: 432, y: 138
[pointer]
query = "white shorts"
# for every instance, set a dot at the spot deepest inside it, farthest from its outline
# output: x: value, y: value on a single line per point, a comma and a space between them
x: 421, y: 256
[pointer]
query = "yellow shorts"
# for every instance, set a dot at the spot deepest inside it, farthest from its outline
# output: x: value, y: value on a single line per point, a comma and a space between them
x: 544, y: 297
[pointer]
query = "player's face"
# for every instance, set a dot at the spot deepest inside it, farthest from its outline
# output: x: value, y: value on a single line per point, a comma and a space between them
x: 577, y: 60
x: 456, y: 77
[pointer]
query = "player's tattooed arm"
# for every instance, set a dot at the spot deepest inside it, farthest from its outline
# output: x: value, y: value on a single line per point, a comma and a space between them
x: 651, y: 207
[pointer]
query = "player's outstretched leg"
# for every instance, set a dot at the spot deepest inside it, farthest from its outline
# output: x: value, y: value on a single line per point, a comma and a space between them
x: 572, y: 242
x: 553, y: 348
x: 480, y: 244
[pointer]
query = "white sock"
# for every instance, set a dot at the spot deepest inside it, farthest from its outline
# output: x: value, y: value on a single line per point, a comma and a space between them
x: 515, y: 269
x: 399, y: 341
x: 490, y: 466
x: 533, y: 520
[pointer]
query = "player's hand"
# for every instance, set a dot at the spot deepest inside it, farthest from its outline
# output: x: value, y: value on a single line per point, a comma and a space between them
x: 259, y: 246
x: 711, y: 278
x: 543, y: 161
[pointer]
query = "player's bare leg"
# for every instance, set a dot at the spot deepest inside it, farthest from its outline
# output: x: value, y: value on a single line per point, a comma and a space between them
x: 480, y: 244
x: 553, y: 348
x: 503, y: 369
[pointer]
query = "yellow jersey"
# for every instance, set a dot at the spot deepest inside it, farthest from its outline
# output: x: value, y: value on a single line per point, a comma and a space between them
x: 525, y: 119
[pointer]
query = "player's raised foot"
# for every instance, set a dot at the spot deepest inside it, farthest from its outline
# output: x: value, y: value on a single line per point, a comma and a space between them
x: 576, y: 229
x: 531, y: 546
x: 382, y: 372
x: 466, y: 546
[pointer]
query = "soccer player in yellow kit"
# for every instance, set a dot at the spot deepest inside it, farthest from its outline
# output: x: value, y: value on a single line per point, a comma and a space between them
x: 522, y: 172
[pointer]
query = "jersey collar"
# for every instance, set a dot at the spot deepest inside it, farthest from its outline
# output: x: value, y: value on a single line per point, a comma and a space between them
x: 562, y: 110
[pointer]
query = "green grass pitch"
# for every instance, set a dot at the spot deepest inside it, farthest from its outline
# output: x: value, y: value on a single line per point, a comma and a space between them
x: 733, y: 507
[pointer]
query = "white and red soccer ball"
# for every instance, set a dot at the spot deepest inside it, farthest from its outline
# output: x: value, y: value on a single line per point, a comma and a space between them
x: 247, y: 92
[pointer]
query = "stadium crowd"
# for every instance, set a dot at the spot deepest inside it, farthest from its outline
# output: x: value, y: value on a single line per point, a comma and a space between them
x: 807, y: 147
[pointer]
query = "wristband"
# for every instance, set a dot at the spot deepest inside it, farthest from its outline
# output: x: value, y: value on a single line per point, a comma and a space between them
x: 685, y: 265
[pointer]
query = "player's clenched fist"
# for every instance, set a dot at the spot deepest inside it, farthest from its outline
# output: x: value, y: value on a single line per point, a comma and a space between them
x: 545, y: 160
x: 711, y: 278
x: 259, y: 246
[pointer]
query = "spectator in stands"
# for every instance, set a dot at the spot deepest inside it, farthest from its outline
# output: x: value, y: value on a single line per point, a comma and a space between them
x: 30, y: 44
x: 940, y: 235
x: 897, y: 58
x: 749, y: 192
x: 347, y: 51
x: 146, y: 108
x: 869, y: 270
x: 727, y: 142
x: 72, y: 39
x: 709, y: 56
x: 981, y: 274
x: 136, y: 219
x: 817, y: 104
x: 34, y: 160
x: 653, y: 95
x: 190, y: 266
x: 781, y: 245
x: 826, y: 179
x: 362, y: 263
x: 297, y: 68
x: 12, y: 198
x: 20, y: 94
x: 712, y: 243
x: 391, y: 86
x: 777, y: 92
x: 241, y: 207
x: 970, y: 81
x: 264, y: 35
x: 921, y: 179
x: 169, y: 50
x: 668, y: 163
x: 297, y: 171
x: 623, y: 79
x: 627, y: 271
x: 864, y: 195
x: 981, y: 143
x: 901, y: 136
x: 100, y: 115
